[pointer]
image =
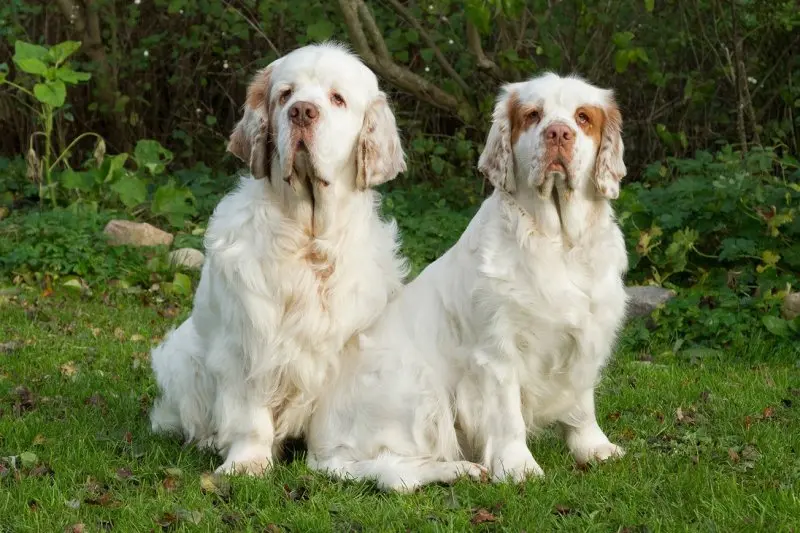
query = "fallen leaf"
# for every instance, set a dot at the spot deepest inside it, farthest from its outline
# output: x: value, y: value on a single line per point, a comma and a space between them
x: 96, y: 331
x: 41, y: 471
x: 124, y: 473
x: 173, y: 472
x: 28, y: 459
x: 137, y: 338
x: 748, y: 422
x: 562, y: 510
x: 734, y: 457
x: 750, y: 453
x: 685, y: 418
x: 68, y: 369
x: 170, y: 484
x: 232, y: 519
x: 10, y: 346
x: 23, y: 400
x: 193, y: 517
x: 768, y: 412
x: 614, y: 416
x: 95, y: 400
x: 481, y: 516
x: 119, y: 333
x: 166, y: 520
x: 275, y: 528
x: 73, y: 504
x: 215, y: 484
x: 39, y: 439
x: 128, y: 437
x: 295, y: 494
x: 76, y: 528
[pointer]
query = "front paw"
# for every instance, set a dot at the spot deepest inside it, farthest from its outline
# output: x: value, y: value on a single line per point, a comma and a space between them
x: 515, y: 464
x: 249, y: 467
x: 600, y: 451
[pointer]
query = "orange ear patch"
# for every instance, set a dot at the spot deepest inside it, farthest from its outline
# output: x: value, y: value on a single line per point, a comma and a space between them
x: 593, y: 127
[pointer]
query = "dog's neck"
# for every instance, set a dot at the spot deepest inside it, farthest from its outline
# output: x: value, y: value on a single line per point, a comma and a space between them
x: 315, y: 205
x: 558, y: 211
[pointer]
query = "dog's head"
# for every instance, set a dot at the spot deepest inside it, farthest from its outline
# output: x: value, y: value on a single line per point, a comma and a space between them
x: 317, y: 114
x: 553, y: 128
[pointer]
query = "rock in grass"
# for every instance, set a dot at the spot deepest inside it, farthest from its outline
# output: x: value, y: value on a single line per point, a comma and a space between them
x: 136, y: 234
x: 187, y: 257
x: 791, y: 306
x: 643, y: 300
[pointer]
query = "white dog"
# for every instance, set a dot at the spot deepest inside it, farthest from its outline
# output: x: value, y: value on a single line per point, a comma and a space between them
x: 298, y: 260
x: 509, y: 330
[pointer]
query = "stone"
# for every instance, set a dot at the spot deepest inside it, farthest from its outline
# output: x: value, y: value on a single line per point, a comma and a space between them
x: 187, y: 257
x: 136, y: 234
x: 644, y: 299
x: 791, y: 306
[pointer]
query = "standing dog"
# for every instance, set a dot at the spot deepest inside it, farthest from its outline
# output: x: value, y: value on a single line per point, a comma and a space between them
x: 298, y: 260
x: 509, y: 330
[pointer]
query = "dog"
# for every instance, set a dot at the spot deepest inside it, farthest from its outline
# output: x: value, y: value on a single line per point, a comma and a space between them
x: 298, y: 260
x: 508, y: 331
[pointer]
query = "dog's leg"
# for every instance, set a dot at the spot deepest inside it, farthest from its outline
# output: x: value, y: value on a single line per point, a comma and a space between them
x: 501, y: 427
x: 585, y: 440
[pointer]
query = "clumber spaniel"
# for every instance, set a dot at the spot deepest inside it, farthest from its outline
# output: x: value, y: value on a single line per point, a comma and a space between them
x: 298, y: 260
x: 509, y: 330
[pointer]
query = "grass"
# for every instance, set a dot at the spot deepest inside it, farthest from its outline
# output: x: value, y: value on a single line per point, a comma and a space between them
x: 713, y: 445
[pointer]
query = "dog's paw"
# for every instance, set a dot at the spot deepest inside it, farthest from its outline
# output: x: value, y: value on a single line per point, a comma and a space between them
x: 601, y: 451
x: 473, y: 470
x: 515, y: 464
x: 251, y: 467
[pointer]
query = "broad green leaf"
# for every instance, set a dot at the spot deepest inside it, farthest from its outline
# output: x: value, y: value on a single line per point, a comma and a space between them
x: 427, y: 54
x: 53, y: 93
x: 775, y: 325
x: 23, y: 50
x: 321, y: 30
x: 115, y: 164
x: 61, y: 51
x: 649, y: 5
x: 173, y: 202
x: 151, y: 155
x: 28, y: 459
x: 211, y: 120
x: 82, y: 181
x: 132, y: 191
x: 31, y: 65
x: 67, y: 75
x: 621, y: 60
x: 182, y: 284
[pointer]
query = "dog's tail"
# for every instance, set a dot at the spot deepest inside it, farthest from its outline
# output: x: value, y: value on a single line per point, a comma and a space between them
x: 398, y: 473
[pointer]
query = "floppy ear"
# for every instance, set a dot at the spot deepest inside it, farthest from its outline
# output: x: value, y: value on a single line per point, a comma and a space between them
x: 609, y: 168
x: 379, y: 154
x: 496, y: 162
x: 251, y: 139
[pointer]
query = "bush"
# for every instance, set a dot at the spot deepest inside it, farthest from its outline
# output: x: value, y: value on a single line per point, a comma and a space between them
x: 724, y: 232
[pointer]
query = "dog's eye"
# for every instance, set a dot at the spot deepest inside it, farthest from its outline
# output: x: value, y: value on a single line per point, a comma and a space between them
x: 533, y: 116
x: 338, y: 100
x: 583, y: 118
x: 284, y: 96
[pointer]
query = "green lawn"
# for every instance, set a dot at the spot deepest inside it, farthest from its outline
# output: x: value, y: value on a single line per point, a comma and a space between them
x: 713, y: 445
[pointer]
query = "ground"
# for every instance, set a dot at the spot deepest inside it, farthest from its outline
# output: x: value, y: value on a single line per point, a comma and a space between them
x: 713, y: 445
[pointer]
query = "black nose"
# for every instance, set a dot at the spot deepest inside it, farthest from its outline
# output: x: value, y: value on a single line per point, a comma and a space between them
x: 303, y: 113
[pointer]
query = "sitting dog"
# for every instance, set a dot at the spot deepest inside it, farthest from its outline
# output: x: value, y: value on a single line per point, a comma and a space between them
x: 298, y: 260
x: 508, y: 331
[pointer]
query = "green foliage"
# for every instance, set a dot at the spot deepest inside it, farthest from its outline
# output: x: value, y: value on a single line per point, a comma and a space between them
x: 725, y: 231
x: 58, y: 243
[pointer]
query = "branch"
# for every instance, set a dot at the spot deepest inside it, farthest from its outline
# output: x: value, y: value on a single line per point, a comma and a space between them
x: 384, y: 66
x: 475, y: 47
x: 254, y: 26
x: 437, y: 53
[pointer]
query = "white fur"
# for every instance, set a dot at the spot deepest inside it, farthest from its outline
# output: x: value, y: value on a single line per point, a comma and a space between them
x: 504, y: 334
x: 295, y: 267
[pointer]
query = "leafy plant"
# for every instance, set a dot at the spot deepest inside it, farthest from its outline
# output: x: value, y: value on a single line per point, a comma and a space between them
x: 725, y: 232
x: 52, y: 73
